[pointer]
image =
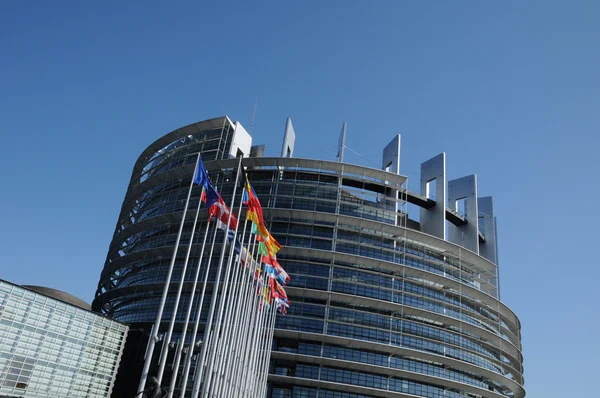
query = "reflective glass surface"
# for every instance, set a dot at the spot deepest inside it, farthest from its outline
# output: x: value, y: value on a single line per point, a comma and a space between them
x: 52, y: 349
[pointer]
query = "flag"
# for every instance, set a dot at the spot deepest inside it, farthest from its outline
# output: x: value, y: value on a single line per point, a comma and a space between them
x: 246, y: 258
x: 282, y: 276
x: 259, y: 282
x: 257, y: 275
x: 266, y: 297
x: 277, y: 290
x: 262, y: 249
x: 254, y: 212
x: 218, y: 209
x: 282, y: 305
x: 201, y: 178
x: 275, y: 270
x: 272, y: 246
x: 237, y: 246
x: 212, y: 196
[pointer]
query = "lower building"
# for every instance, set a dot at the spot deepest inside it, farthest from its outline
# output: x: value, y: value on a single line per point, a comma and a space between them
x: 53, y: 345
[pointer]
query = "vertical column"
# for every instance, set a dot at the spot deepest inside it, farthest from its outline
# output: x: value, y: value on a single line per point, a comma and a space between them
x: 342, y: 144
x: 390, y: 162
x: 487, y: 224
x: 241, y: 143
x: 433, y: 171
x: 289, y: 139
x: 466, y: 235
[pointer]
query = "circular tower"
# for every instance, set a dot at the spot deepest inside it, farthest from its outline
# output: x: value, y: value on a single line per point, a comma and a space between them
x: 379, y: 308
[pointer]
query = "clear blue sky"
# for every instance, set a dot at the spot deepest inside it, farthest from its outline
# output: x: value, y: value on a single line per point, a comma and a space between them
x: 508, y: 90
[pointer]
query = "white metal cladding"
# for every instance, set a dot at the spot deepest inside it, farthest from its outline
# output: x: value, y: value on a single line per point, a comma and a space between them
x: 466, y: 235
x: 433, y: 221
x: 289, y: 139
x: 487, y: 220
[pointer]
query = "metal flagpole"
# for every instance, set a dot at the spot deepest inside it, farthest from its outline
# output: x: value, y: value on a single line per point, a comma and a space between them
x: 253, y: 330
x: 246, y: 299
x: 161, y: 306
x: 165, y: 347
x: 267, y: 362
x: 260, y: 310
x: 188, y: 360
x: 264, y: 346
x: 187, y: 317
x: 233, y: 358
x: 225, y: 341
x: 255, y: 351
x: 259, y: 347
x: 263, y: 360
x: 199, y: 370
x: 247, y: 347
x: 261, y: 353
x: 232, y: 326
x: 210, y: 369
x: 241, y: 327
x: 271, y: 331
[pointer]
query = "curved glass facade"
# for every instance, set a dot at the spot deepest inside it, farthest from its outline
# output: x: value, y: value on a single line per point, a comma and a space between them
x: 52, y: 348
x: 378, y: 309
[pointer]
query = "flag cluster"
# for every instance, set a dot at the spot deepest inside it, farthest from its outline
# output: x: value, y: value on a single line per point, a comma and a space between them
x: 267, y: 248
x: 247, y: 292
x: 269, y: 275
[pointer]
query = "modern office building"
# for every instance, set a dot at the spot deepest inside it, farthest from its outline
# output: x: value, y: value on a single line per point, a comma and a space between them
x: 53, y: 345
x: 382, y: 305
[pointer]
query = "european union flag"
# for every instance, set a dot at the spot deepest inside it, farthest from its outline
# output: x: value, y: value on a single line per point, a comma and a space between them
x: 201, y: 176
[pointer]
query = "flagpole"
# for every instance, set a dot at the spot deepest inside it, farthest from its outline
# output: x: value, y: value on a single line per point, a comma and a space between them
x: 165, y: 348
x: 250, y: 328
x: 234, y: 355
x: 225, y: 340
x: 240, y: 327
x: 267, y: 360
x: 263, y: 344
x: 187, y: 317
x: 154, y: 335
x: 244, y: 339
x: 199, y: 370
x: 247, y: 297
x: 257, y: 315
x: 206, y: 389
x: 265, y: 373
x: 273, y: 324
x: 256, y: 343
x: 258, y: 327
x: 190, y: 353
x: 231, y: 327
x: 263, y: 349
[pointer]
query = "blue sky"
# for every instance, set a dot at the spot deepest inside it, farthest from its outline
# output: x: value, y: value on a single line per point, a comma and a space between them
x: 509, y: 90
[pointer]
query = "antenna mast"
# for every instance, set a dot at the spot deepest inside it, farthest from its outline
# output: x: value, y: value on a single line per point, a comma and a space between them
x: 253, y: 116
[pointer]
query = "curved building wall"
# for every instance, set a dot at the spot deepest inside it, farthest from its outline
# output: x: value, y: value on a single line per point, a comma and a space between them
x: 378, y: 309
